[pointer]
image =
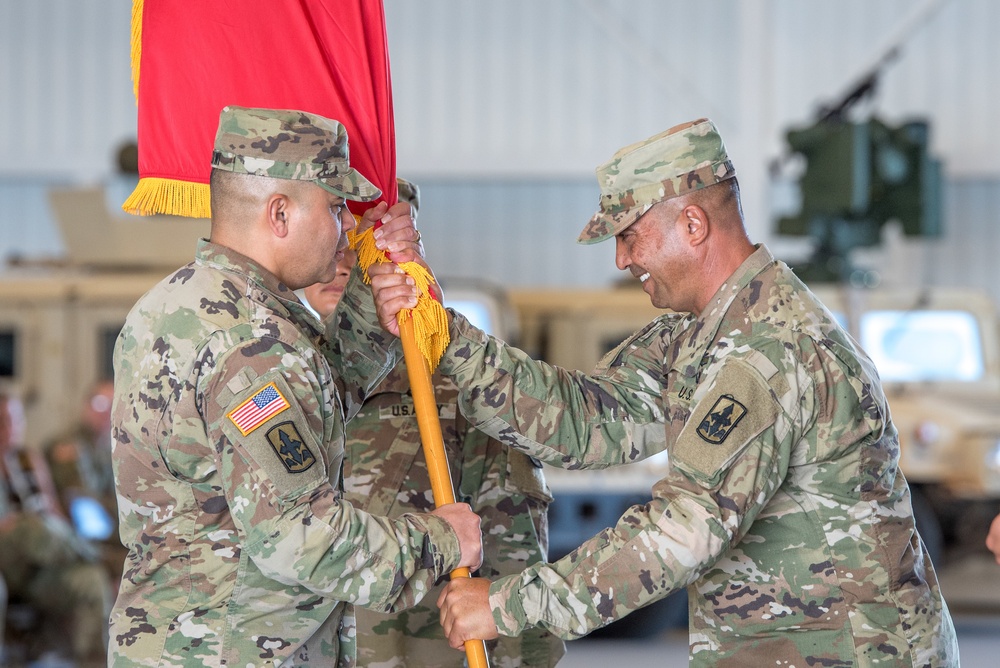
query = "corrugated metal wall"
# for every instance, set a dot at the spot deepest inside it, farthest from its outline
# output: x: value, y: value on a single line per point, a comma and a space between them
x: 503, y: 109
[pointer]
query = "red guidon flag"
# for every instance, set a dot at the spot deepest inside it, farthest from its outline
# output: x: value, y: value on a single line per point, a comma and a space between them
x: 191, y: 59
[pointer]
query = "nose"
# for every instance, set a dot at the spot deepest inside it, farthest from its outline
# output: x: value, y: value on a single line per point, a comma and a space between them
x: 347, y: 223
x: 347, y: 220
x: 622, y: 259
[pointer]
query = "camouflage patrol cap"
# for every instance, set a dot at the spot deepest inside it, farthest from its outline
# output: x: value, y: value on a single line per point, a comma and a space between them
x: 683, y: 159
x: 289, y: 144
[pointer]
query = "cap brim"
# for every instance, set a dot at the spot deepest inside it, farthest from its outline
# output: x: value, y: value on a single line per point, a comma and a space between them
x: 351, y: 185
x: 603, y: 226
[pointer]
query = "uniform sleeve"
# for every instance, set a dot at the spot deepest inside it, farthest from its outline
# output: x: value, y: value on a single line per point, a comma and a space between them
x: 511, y: 496
x: 508, y: 490
x: 264, y: 413
x: 567, y: 419
x: 359, y: 352
x: 727, y: 463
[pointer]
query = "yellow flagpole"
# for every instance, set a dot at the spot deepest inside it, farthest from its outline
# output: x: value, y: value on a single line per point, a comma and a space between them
x: 433, y: 444
x: 423, y: 331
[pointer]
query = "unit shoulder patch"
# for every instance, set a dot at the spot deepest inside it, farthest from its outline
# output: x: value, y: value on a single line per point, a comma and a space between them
x: 722, y: 419
x: 290, y: 447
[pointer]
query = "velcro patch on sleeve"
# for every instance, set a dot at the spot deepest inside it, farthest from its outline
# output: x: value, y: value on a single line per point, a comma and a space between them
x: 286, y: 451
x: 737, y: 408
x: 263, y: 405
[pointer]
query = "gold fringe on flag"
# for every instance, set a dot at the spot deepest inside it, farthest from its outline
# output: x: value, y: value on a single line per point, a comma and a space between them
x: 177, y: 198
x: 158, y: 195
x: 430, y: 320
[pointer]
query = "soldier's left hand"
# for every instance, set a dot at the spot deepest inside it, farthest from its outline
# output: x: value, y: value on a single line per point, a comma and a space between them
x: 465, y: 611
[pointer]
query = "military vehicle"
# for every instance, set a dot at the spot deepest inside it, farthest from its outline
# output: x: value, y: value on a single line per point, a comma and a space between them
x: 59, y: 321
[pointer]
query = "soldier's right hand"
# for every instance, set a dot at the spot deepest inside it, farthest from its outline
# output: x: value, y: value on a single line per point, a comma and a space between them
x: 466, y: 526
x: 393, y: 290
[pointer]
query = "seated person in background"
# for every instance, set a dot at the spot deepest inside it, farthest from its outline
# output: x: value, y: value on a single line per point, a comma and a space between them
x: 385, y: 473
x: 44, y: 563
x: 80, y: 464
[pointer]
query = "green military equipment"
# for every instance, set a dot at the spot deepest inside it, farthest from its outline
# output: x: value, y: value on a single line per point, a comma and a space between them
x: 860, y: 176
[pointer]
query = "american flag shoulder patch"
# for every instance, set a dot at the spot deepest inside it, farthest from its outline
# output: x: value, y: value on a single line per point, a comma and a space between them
x: 258, y: 409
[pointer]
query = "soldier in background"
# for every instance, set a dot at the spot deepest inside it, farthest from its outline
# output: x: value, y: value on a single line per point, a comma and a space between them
x: 385, y: 473
x: 784, y: 510
x: 44, y: 563
x: 80, y: 463
x: 228, y: 422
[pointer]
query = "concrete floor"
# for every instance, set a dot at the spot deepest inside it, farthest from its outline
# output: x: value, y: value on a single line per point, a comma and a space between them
x: 971, y: 586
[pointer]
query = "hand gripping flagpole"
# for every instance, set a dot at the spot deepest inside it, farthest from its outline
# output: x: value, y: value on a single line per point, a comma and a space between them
x: 423, y: 331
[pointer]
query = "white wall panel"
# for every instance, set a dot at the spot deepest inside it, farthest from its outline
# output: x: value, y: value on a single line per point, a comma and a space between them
x: 504, y: 109
x: 554, y: 88
x: 551, y: 87
x: 66, y: 98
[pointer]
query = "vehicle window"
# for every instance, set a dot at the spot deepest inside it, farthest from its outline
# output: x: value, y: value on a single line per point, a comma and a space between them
x: 924, y: 345
x: 478, y: 312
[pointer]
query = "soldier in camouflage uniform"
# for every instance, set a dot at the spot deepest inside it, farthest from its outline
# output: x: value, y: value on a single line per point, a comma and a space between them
x: 45, y: 564
x: 80, y: 463
x: 228, y: 425
x: 784, y: 511
x: 385, y: 473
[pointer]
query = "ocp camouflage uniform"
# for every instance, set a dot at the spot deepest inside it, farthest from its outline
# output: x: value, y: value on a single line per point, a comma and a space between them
x: 241, y: 550
x: 80, y: 464
x: 385, y: 473
x: 228, y: 427
x: 784, y: 509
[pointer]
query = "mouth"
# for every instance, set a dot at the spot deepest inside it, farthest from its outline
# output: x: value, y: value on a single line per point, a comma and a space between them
x: 644, y: 277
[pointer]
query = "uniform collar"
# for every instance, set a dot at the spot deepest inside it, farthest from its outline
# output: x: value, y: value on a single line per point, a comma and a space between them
x: 705, y: 328
x: 270, y: 290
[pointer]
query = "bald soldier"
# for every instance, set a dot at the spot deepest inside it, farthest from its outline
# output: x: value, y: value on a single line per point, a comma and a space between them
x: 228, y: 422
x: 784, y: 511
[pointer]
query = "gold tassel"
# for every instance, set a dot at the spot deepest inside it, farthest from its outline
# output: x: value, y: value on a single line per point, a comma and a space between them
x: 136, y: 45
x: 155, y: 195
x: 176, y: 198
x: 430, y: 320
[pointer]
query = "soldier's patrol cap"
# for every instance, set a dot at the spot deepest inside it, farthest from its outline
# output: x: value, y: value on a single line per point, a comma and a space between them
x: 289, y: 144
x: 683, y: 159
